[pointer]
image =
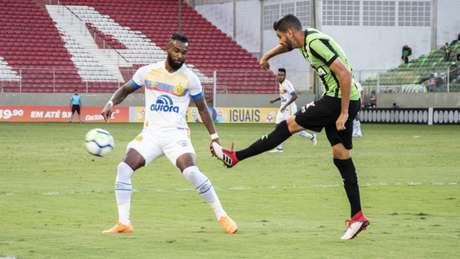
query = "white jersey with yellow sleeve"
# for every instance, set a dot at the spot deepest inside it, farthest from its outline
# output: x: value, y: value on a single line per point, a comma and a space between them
x: 167, y: 95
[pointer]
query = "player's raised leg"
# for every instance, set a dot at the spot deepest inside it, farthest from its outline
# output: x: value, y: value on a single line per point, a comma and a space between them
x: 123, y: 190
x: 282, y: 131
x: 204, y: 187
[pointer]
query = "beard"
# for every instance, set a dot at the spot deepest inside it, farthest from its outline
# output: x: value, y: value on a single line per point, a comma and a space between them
x: 289, y: 45
x: 174, y: 64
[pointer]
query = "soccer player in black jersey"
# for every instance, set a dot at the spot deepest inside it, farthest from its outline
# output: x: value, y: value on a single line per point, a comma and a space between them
x: 334, y: 112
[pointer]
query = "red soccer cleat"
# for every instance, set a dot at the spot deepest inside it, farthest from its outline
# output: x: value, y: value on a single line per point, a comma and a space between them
x: 356, y: 224
x: 225, y: 155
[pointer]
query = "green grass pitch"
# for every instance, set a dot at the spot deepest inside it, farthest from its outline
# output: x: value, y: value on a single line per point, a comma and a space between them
x: 55, y: 199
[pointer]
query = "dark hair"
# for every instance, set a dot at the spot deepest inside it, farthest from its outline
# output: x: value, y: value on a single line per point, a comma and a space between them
x: 179, y: 37
x: 287, y: 22
x: 282, y: 70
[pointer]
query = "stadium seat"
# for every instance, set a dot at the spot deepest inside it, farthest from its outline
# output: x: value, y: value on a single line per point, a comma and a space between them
x: 31, y: 43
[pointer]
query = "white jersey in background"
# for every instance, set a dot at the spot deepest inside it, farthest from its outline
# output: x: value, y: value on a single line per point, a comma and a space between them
x: 286, y: 90
x: 167, y: 95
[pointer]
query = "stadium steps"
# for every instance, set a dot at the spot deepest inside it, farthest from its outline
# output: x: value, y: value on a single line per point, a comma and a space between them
x: 93, y: 64
x: 210, y: 49
x: 31, y: 44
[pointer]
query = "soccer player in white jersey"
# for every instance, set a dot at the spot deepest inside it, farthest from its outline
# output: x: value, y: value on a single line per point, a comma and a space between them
x: 288, y: 106
x: 169, y: 86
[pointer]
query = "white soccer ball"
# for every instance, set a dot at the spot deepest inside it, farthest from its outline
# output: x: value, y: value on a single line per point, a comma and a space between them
x: 99, y: 142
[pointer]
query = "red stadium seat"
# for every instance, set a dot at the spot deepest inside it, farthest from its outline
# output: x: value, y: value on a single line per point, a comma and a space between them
x: 30, y: 43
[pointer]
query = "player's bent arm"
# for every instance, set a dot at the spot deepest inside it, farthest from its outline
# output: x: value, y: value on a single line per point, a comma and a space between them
x: 279, y: 49
x: 121, y: 93
x: 275, y: 100
x: 291, y: 100
x: 117, y: 97
x: 206, y: 117
x: 345, y: 79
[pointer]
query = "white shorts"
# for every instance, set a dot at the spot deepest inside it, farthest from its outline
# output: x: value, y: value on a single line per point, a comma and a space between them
x: 171, y: 143
x: 282, y: 116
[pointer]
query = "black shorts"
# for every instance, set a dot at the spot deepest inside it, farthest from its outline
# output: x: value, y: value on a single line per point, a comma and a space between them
x: 323, y: 114
x: 75, y: 108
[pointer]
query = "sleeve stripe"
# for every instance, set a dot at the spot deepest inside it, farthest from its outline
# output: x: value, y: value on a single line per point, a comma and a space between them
x: 332, y: 60
x: 197, y: 96
x: 134, y: 85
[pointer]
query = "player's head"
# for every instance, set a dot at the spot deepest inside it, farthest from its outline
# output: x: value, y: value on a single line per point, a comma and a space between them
x: 75, y: 91
x: 286, y: 29
x: 281, y: 75
x: 177, y: 49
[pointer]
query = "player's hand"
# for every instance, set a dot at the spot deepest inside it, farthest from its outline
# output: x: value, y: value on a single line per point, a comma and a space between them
x: 282, y: 109
x: 340, y: 122
x: 107, y: 111
x: 263, y: 63
x: 211, y: 148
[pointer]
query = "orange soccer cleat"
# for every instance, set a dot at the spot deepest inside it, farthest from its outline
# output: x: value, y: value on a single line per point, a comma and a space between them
x: 119, y: 228
x: 228, y: 224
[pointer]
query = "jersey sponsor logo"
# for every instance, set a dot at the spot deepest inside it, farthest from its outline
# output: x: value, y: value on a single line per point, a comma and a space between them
x: 164, y: 103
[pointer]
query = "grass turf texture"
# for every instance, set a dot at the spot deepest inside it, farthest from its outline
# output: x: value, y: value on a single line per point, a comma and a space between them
x: 55, y: 198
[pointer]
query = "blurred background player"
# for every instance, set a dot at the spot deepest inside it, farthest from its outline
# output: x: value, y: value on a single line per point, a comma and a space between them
x: 75, y: 105
x: 288, y: 106
x: 169, y: 86
x: 357, y: 132
x: 334, y: 112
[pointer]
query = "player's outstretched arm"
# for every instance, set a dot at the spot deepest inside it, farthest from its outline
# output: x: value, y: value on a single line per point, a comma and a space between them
x: 117, y: 97
x: 275, y: 100
x: 279, y: 49
x: 206, y: 118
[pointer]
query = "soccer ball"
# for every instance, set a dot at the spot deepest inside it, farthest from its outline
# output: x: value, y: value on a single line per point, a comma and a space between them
x: 99, y: 142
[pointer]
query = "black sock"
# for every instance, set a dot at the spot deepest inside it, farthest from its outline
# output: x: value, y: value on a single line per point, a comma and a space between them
x: 350, y: 183
x: 267, y: 142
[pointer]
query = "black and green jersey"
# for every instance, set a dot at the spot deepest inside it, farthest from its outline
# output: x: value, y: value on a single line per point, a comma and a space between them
x: 321, y: 50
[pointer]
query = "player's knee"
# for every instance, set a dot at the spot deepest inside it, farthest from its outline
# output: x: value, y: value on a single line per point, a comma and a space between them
x: 340, y: 152
x: 293, y: 127
x: 134, y: 160
x: 185, y: 161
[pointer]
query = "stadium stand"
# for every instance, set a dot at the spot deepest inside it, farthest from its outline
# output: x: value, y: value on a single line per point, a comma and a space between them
x: 44, y: 57
x: 418, y: 71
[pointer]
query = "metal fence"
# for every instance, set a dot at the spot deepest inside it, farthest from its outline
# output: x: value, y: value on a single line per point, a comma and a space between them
x: 421, y: 80
x: 227, y: 81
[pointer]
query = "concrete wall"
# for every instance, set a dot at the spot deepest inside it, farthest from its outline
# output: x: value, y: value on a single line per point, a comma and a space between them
x: 379, y: 47
x: 247, y: 12
x: 227, y: 100
x: 442, y: 100
x: 368, y: 47
x: 64, y: 99
x: 448, y: 21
